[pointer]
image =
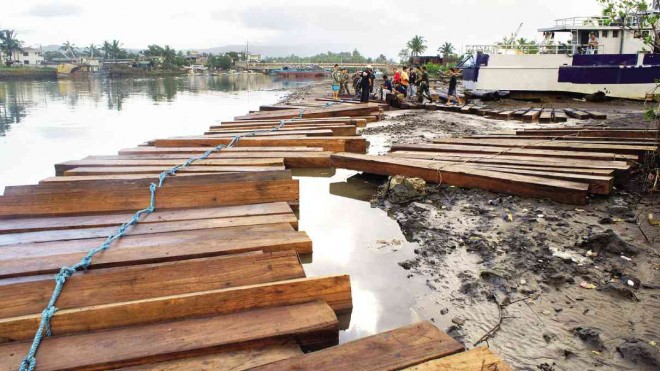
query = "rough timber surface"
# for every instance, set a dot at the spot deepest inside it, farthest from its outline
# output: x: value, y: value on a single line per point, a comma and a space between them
x: 390, y: 350
x: 478, y: 359
x: 314, y: 325
x: 463, y: 176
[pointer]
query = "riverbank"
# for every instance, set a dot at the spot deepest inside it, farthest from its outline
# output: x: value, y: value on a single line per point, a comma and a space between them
x: 26, y: 73
x: 555, y: 286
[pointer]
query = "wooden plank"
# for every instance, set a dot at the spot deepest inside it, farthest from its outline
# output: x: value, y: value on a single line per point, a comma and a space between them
x: 518, y: 115
x: 321, y: 132
x: 171, y: 196
x: 528, y: 186
x: 106, y: 286
x: 512, y: 160
x: 235, y: 150
x: 459, y: 148
x: 334, y: 144
x: 593, y: 133
x: 596, y: 115
x: 359, y: 122
x: 294, y: 160
x: 115, y: 170
x: 478, y: 359
x: 49, y: 257
x: 576, y: 114
x: 243, y: 357
x: 390, y: 350
x: 546, y: 116
x: 333, y: 290
x: 532, y: 115
x: 168, y: 163
x: 313, y: 112
x: 341, y: 130
x: 150, y: 228
x: 106, y: 220
x: 601, y: 185
x: 505, y: 115
x: 551, y: 144
x: 560, y: 116
x: 571, y: 138
x: 314, y: 324
x: 570, y: 170
x: 466, y: 109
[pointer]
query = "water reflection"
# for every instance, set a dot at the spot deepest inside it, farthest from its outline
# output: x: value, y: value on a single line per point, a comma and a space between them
x: 17, y: 96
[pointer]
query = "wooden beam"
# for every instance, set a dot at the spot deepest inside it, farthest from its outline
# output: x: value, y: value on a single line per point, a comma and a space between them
x: 593, y: 133
x: 333, y: 290
x: 334, y: 144
x: 90, y: 288
x: 462, y: 176
x: 168, y: 163
x: 532, y: 115
x: 390, y: 350
x: 519, y: 150
x: 334, y: 130
x: 21, y: 225
x: 171, y: 196
x: 49, y: 257
x: 314, y: 324
x: 240, y: 358
x: 477, y: 359
x: 149, y: 228
x: 546, y: 116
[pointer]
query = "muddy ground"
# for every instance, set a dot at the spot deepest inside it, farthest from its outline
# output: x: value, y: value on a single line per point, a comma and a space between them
x: 548, y: 286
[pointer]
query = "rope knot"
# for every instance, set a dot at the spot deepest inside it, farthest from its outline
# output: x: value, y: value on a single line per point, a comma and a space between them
x: 28, y: 363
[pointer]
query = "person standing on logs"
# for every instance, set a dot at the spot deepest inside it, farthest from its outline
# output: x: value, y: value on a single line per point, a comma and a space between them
x: 345, y: 79
x: 412, y: 76
x: 405, y: 80
x: 336, y: 82
x: 365, y: 85
x: 423, y: 83
x: 453, y: 84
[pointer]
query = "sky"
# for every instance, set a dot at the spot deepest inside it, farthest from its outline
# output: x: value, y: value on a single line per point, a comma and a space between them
x: 302, y: 27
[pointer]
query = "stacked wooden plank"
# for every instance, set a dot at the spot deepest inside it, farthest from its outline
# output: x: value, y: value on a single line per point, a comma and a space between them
x: 211, y: 278
x: 532, y: 164
x: 528, y: 115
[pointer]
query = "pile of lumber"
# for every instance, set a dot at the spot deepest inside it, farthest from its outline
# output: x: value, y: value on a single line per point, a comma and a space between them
x: 212, y: 279
x: 528, y: 115
x: 564, y: 165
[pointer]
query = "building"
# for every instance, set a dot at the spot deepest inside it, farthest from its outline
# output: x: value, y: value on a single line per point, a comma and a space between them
x: 194, y: 58
x: 29, y: 57
x: 254, y: 58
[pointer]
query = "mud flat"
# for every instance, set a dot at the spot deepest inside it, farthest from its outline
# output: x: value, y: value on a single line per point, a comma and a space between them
x: 547, y: 286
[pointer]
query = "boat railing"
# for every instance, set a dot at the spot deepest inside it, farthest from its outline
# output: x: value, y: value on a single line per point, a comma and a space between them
x: 568, y: 49
x: 631, y: 21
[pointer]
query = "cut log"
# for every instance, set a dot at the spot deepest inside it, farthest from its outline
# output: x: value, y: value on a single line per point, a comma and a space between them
x: 592, y: 133
x: 518, y: 115
x: 462, y: 176
x: 546, y: 116
x: 334, y: 290
x: 392, y: 350
x: 327, y: 130
x: 600, y: 185
x: 363, y: 109
x: 314, y: 325
x: 513, y: 150
x: 320, y: 132
x: 49, y: 257
x: 596, y: 115
x: 149, y: 281
x: 171, y: 196
x: 476, y: 359
x: 505, y: 115
x: 238, y: 163
x: 235, y: 150
x: 106, y: 220
x: 334, y: 144
x: 559, y: 116
x: 532, y: 115
x: 576, y: 114
x: 240, y: 358
x: 149, y: 228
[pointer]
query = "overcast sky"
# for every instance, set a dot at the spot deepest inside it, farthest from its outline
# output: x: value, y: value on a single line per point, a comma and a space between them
x: 373, y: 27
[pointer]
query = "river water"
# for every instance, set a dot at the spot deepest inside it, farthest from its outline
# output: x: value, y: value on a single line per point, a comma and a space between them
x: 46, y: 122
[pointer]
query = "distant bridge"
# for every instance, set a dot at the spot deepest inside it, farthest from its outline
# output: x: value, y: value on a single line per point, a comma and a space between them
x: 266, y: 67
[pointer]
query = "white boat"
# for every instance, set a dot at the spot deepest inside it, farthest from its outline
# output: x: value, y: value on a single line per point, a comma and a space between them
x: 619, y: 66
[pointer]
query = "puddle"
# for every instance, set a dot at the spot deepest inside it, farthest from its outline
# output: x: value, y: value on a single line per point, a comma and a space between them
x: 351, y: 237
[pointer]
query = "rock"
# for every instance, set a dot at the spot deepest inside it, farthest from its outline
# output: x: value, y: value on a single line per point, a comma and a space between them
x: 639, y: 352
x: 620, y: 211
x: 610, y: 242
x: 606, y: 221
x: 407, y: 265
x: 589, y: 336
x: 444, y: 311
x: 458, y: 321
x: 618, y: 289
x: 403, y: 189
x: 549, y: 337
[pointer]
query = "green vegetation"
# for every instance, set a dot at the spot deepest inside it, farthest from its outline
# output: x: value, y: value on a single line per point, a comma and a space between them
x: 435, y: 69
x: 9, y: 44
x: 329, y: 57
x: 416, y: 45
x: 634, y: 15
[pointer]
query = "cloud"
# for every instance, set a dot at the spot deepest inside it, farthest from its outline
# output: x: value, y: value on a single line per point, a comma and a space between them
x: 54, y: 10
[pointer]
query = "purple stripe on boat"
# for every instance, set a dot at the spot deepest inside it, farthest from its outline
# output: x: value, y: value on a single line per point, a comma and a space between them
x: 652, y: 59
x: 605, y: 60
x: 609, y: 75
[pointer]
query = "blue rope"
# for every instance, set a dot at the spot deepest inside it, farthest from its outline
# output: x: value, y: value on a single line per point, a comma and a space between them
x: 30, y: 361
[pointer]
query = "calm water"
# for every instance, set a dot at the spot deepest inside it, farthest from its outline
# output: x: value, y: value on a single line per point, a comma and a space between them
x: 43, y: 123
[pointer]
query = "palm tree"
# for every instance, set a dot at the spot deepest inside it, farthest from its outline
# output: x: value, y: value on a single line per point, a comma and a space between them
x: 169, y: 56
x: 107, y: 49
x: 417, y: 45
x: 115, y: 49
x: 9, y: 44
x: 446, y: 49
x: 67, y: 48
x: 404, y: 54
x: 92, y: 50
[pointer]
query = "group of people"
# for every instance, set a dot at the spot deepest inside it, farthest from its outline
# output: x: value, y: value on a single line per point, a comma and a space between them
x: 411, y: 83
x: 362, y: 81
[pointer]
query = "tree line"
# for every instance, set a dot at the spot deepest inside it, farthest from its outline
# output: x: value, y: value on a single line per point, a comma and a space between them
x: 329, y: 57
